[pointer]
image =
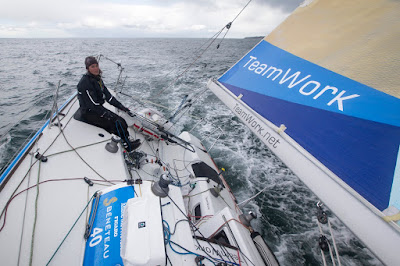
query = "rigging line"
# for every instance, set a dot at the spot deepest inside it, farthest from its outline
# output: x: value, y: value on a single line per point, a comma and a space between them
x: 329, y: 246
x: 101, y: 55
x: 233, y: 236
x: 14, y: 124
x: 157, y: 155
x: 104, y: 185
x: 79, y: 147
x: 62, y: 132
x: 54, y: 108
x: 28, y: 171
x: 4, y: 211
x: 20, y: 147
x: 27, y: 189
x: 169, y: 260
x: 70, y: 230
x: 214, y: 38
x: 191, y: 64
x: 241, y: 11
x: 192, y: 224
x: 176, y: 225
x: 35, y: 217
x: 319, y: 205
x: 323, y: 257
x: 87, y: 211
x: 238, y: 253
x: 232, y: 219
x: 19, y: 120
x: 71, y: 105
x: 184, y: 113
x: 23, y: 179
x: 219, y: 194
x: 30, y: 136
x: 83, y: 160
x: 42, y: 182
x: 334, y: 243
x: 331, y: 254
x: 119, y: 66
x: 245, y: 202
x: 185, y: 109
x: 228, y: 26
x: 185, y: 165
x: 50, y: 145
x: 189, y: 196
x: 210, y: 39
x: 24, y: 217
x: 167, y: 239
x: 188, y: 252
x: 139, y: 100
x: 167, y: 166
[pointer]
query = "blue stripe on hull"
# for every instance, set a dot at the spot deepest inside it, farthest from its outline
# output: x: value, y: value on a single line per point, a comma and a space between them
x: 362, y: 153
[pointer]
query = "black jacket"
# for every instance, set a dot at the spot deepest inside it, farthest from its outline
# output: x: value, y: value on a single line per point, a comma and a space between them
x: 92, y: 93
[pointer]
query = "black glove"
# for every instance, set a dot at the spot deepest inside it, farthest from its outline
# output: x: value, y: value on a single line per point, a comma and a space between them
x: 123, y: 108
x: 130, y: 113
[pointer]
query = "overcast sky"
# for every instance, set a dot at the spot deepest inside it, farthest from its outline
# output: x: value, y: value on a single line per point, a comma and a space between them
x: 139, y: 18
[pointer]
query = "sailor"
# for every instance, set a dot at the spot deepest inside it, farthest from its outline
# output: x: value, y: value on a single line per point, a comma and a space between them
x: 92, y: 93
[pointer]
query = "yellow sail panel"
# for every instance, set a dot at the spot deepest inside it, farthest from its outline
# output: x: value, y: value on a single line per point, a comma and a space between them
x: 359, y: 39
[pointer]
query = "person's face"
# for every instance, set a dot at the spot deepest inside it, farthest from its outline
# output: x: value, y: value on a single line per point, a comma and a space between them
x: 94, y: 69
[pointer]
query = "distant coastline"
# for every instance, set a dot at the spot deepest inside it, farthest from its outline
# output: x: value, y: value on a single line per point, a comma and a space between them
x: 254, y: 37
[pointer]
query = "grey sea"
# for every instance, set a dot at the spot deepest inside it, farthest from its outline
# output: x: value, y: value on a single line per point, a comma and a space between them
x: 159, y: 73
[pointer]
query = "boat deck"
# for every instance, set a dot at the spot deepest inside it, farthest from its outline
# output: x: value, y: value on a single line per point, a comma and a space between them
x: 48, y: 204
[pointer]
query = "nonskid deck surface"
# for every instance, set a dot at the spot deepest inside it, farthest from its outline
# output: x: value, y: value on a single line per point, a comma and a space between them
x: 48, y: 204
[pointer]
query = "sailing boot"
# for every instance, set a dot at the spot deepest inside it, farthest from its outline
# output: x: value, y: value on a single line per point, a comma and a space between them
x: 132, y: 145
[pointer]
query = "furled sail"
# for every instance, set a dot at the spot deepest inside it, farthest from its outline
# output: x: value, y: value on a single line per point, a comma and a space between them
x: 322, y: 92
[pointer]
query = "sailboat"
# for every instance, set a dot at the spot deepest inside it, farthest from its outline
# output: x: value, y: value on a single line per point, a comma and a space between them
x: 75, y: 196
x: 322, y: 92
x: 319, y: 91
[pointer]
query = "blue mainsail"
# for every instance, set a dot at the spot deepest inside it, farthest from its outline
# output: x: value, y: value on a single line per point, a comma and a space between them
x: 351, y: 128
x: 321, y: 91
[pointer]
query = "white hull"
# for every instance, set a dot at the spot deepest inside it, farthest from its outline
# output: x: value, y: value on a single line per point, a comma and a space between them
x: 53, y: 194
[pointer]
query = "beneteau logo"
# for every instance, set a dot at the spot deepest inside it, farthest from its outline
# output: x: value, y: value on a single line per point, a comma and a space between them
x: 293, y: 79
x: 107, y: 201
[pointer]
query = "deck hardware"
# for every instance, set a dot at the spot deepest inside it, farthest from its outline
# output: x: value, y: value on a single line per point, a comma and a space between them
x: 215, y: 191
x: 88, y: 181
x: 112, y: 146
x: 199, y: 260
x: 246, y: 218
x: 161, y: 188
x: 89, y: 225
x: 41, y: 157
x: 57, y: 124
x: 137, y: 158
x: 321, y: 215
x: 323, y: 243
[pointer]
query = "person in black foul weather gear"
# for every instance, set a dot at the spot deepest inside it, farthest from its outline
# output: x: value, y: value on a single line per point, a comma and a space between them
x: 92, y: 93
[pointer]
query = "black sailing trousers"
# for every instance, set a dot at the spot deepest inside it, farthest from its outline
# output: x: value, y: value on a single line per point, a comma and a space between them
x: 110, y: 121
